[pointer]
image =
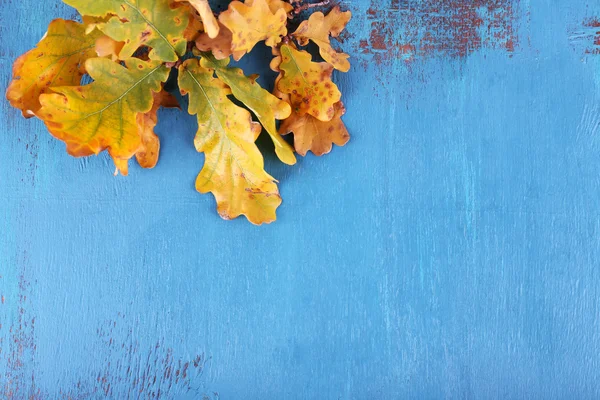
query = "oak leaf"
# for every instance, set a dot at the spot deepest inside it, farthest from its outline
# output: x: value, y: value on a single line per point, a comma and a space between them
x: 56, y: 61
x: 91, y: 23
x: 194, y: 28
x: 310, y: 134
x: 147, y: 155
x: 211, y: 26
x: 308, y: 84
x: 103, y: 114
x: 263, y: 104
x: 220, y: 46
x: 252, y: 22
x: 275, y: 5
x: 129, y: 48
x: 143, y: 22
x: 318, y: 28
x: 106, y: 46
x: 234, y: 167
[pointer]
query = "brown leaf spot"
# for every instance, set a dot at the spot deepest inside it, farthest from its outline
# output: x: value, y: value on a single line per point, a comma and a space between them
x: 144, y: 35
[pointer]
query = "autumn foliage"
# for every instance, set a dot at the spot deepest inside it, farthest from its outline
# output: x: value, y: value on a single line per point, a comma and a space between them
x: 128, y: 49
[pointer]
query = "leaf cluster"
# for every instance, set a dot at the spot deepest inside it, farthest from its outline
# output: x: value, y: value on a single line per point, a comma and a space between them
x: 129, y: 47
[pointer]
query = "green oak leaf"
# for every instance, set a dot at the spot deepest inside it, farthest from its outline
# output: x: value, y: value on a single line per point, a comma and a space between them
x: 140, y: 22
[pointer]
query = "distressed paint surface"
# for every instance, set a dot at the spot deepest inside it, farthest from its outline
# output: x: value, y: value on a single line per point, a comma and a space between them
x: 449, y: 250
x: 453, y: 28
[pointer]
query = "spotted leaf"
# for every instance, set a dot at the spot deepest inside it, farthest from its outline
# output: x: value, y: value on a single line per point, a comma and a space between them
x: 310, y: 134
x: 308, y: 84
x: 318, y: 28
x: 252, y: 22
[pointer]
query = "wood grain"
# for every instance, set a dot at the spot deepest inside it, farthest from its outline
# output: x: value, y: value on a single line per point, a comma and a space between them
x: 450, y: 250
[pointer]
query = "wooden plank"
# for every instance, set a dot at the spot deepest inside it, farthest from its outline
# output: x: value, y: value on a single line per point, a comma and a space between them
x: 449, y: 250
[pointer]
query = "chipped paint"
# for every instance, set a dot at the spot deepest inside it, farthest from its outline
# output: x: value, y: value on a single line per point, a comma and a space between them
x: 130, y: 369
x: 20, y: 379
x: 408, y: 30
x: 587, y: 36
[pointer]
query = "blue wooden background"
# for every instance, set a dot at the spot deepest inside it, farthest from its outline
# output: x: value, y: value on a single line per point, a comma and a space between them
x: 450, y: 250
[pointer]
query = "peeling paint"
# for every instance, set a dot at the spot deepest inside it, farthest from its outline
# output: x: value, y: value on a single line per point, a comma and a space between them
x: 132, y: 370
x: 587, y: 36
x: 19, y: 381
x: 407, y: 30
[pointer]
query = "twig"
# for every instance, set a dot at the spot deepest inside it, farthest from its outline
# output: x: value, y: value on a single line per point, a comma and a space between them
x: 175, y: 64
x: 308, y: 6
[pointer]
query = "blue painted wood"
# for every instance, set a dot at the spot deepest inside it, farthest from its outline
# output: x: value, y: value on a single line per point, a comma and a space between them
x: 450, y: 250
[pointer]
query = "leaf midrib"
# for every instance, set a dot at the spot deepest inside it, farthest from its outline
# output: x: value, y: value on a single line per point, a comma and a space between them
x: 296, y: 64
x: 125, y: 93
x: 151, y: 25
x: 226, y: 135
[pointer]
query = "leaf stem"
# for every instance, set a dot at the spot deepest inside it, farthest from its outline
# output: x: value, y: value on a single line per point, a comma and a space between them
x: 299, y: 8
x: 174, y: 64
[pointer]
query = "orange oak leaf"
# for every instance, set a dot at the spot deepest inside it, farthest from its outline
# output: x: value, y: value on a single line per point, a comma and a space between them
x: 211, y: 26
x: 194, y: 27
x: 148, y: 154
x: 252, y: 22
x: 318, y: 28
x: 103, y: 115
x: 105, y: 46
x: 310, y: 134
x: 219, y: 46
x: 308, y: 84
x: 56, y: 61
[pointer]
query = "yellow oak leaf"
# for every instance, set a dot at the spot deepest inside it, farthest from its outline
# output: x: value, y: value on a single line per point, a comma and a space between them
x: 141, y: 22
x: 278, y: 93
x: 147, y: 155
x: 91, y: 23
x: 263, y: 104
x: 318, y: 28
x: 251, y: 23
x: 308, y: 84
x: 211, y: 26
x: 234, y: 167
x: 105, y: 46
x: 274, y: 64
x: 56, y: 61
x: 103, y: 115
x: 310, y: 134
x: 220, y: 46
x: 276, y: 61
x: 275, y: 5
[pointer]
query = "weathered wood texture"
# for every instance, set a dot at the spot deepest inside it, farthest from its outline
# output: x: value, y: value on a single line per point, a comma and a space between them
x: 451, y: 250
